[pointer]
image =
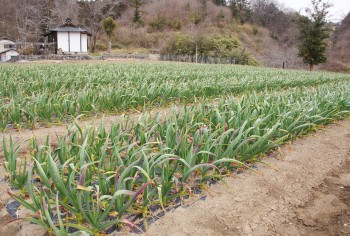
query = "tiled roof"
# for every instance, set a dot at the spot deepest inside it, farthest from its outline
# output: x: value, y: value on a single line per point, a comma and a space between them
x: 68, y: 26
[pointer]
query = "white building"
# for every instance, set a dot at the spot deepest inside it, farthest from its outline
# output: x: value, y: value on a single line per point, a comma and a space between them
x: 8, y: 50
x: 69, y: 38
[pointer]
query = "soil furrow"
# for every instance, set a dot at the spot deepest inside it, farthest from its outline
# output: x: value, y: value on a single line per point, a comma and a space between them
x: 305, y: 193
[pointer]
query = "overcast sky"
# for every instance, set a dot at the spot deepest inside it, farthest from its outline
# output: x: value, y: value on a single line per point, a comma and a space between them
x: 339, y: 10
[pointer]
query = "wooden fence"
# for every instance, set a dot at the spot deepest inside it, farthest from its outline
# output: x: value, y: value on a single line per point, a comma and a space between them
x: 53, y: 57
x: 178, y: 58
x: 204, y: 59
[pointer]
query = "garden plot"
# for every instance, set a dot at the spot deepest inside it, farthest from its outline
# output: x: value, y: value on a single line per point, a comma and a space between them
x: 98, y: 179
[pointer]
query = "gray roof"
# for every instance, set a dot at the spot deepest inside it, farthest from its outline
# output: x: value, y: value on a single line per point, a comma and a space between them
x: 66, y: 29
x: 68, y: 26
x: 7, y: 41
x: 7, y: 50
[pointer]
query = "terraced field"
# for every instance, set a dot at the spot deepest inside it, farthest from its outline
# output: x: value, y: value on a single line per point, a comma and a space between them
x: 97, y: 178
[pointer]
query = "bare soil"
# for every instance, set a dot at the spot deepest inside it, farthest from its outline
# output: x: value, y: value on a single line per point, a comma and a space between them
x: 306, y: 191
x: 20, y: 137
x: 303, y: 191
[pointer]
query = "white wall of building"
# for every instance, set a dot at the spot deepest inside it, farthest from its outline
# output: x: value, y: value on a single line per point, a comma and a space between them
x: 7, y: 55
x: 2, y: 44
x: 6, y: 42
x: 74, y: 38
x: 72, y: 42
x: 62, y: 41
x: 84, y: 43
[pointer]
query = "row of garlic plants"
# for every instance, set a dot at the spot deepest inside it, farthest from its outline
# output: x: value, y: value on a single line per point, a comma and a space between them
x: 34, y: 94
x: 95, y: 179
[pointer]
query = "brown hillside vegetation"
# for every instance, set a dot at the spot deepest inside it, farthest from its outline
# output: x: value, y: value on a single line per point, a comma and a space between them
x: 162, y: 20
x: 339, y: 52
x: 268, y: 36
x: 261, y: 32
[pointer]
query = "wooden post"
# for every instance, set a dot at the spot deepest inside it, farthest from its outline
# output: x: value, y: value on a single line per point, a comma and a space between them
x: 196, y: 52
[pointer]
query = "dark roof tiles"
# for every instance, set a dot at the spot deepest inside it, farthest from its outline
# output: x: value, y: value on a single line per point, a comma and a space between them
x: 68, y: 26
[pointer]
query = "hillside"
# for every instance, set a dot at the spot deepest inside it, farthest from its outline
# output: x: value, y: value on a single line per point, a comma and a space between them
x: 177, y: 27
x: 339, y: 55
x: 258, y: 31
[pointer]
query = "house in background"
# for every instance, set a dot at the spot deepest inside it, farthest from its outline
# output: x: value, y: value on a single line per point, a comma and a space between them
x: 8, y: 50
x: 69, y: 39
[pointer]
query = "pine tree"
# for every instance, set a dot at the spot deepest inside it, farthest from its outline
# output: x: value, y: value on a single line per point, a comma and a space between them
x: 240, y: 9
x: 46, y: 16
x: 220, y: 2
x: 137, y: 15
x: 204, y: 8
x: 314, y: 31
x: 234, y: 9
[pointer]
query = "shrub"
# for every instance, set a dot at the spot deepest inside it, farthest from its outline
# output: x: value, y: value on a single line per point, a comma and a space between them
x: 158, y: 24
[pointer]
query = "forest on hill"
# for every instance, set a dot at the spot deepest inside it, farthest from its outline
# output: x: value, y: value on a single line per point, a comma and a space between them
x: 262, y: 30
x: 339, y: 53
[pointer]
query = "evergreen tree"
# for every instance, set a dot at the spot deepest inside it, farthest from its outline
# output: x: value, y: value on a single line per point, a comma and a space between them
x: 45, y: 19
x: 220, y: 2
x: 240, y: 9
x: 314, y: 31
x: 234, y: 9
x: 109, y: 26
x: 137, y: 15
x: 204, y: 8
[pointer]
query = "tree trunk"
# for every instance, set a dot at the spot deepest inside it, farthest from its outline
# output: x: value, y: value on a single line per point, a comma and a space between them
x: 95, y: 32
x: 109, y: 47
x: 93, y: 48
x: 311, y: 67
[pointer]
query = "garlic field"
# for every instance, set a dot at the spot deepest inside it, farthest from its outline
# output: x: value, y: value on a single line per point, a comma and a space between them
x: 31, y: 95
x: 94, y: 179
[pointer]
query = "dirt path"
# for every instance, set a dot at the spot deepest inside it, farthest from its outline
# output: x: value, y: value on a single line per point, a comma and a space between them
x: 308, y: 193
x: 22, y: 136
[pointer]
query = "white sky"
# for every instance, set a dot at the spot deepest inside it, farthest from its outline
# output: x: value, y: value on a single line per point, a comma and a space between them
x: 339, y: 10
